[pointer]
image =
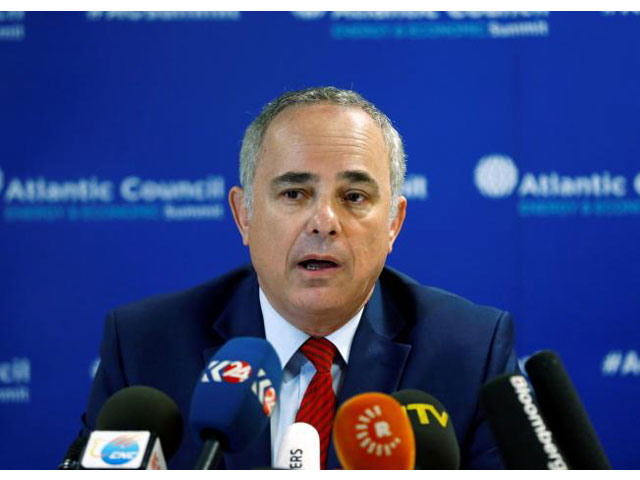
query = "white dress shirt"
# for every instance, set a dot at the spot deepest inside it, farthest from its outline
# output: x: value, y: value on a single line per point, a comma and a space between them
x: 297, y: 370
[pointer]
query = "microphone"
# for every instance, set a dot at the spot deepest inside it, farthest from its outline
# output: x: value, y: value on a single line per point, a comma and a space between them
x: 137, y: 428
x: 436, y: 443
x: 234, y: 398
x: 300, y: 448
x: 565, y: 413
x: 372, y: 432
x: 520, y: 431
x: 71, y: 460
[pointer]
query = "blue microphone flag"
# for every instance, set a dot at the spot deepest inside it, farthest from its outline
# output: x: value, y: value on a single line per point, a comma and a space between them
x: 236, y: 393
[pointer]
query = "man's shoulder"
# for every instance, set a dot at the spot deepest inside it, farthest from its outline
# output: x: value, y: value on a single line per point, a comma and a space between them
x: 421, y: 305
x: 204, y: 301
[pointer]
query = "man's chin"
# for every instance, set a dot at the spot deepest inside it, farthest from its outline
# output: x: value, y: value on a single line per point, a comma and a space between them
x: 322, y: 301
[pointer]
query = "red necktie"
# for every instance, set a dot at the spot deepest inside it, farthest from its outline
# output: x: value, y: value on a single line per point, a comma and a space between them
x: 318, y: 405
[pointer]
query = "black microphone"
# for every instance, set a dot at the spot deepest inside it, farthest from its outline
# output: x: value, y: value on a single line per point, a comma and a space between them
x: 137, y: 428
x: 519, y: 429
x: 71, y: 460
x: 436, y: 444
x: 564, y: 412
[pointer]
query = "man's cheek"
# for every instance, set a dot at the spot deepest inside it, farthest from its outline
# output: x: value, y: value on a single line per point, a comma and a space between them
x: 364, y: 249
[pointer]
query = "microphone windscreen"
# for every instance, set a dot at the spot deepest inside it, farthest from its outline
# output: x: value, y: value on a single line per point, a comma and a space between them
x: 564, y: 412
x: 299, y: 449
x: 436, y: 443
x: 143, y: 408
x: 518, y: 428
x: 236, y: 393
x: 372, y: 432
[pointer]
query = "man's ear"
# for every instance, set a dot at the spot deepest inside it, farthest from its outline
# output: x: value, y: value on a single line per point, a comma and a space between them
x: 397, y: 221
x: 240, y: 212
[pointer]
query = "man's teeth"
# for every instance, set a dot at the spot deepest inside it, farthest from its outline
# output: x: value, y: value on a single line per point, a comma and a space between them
x: 317, y: 264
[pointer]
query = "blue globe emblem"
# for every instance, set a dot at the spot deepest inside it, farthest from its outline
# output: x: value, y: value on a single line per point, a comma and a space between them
x: 120, y: 450
x: 496, y: 176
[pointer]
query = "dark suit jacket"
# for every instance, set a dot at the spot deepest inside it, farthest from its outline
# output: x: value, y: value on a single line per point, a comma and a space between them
x: 409, y: 336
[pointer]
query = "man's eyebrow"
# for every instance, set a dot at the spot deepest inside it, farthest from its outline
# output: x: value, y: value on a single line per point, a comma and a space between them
x: 358, y: 176
x: 293, y: 177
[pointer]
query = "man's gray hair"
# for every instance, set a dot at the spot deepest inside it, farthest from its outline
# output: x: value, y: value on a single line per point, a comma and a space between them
x: 254, y: 135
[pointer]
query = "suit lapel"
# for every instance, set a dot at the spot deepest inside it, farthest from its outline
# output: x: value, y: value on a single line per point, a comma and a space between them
x: 376, y: 362
x: 243, y: 318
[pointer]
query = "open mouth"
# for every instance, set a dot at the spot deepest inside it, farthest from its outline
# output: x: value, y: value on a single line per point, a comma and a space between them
x: 315, y: 264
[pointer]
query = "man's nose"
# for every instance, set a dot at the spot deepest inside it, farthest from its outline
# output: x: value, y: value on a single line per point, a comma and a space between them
x: 324, y: 219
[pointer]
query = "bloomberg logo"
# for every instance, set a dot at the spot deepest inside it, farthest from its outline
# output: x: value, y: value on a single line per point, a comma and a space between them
x: 496, y: 176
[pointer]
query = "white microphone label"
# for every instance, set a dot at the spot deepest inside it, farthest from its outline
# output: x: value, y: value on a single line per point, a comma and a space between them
x: 121, y: 450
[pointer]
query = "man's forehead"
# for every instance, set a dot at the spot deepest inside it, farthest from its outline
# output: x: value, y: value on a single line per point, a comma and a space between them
x: 317, y: 117
x: 326, y: 140
x: 351, y: 176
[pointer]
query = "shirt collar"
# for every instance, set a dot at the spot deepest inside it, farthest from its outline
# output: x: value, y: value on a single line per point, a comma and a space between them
x: 287, y: 339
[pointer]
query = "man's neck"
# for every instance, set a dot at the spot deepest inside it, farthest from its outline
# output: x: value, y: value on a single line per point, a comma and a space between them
x: 317, y: 324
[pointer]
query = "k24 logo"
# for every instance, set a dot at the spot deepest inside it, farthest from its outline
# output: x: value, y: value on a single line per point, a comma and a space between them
x: 226, y: 371
x: 264, y: 391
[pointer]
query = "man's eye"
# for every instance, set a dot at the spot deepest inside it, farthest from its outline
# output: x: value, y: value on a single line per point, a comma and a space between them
x: 355, y: 197
x: 292, y: 194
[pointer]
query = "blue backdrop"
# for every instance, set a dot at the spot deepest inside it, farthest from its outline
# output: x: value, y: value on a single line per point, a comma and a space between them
x: 119, y: 137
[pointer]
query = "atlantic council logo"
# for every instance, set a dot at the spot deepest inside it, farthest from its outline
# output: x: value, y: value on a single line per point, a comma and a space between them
x: 90, y: 198
x: 308, y: 15
x: 496, y: 176
x: 554, y: 193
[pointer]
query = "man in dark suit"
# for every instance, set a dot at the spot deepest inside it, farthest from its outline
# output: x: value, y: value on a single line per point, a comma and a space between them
x: 319, y: 208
